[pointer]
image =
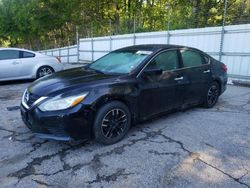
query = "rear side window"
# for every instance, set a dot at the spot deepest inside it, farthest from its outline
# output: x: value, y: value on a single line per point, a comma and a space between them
x: 165, y: 61
x: 191, y: 58
x: 27, y: 54
x: 9, y: 54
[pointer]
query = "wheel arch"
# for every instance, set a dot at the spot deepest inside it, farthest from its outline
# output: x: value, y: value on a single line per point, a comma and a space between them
x: 218, y: 82
x: 109, y: 98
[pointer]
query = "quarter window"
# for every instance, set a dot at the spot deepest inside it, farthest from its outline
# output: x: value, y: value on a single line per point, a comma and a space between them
x: 191, y: 58
x: 9, y: 54
x: 165, y: 61
x: 206, y: 60
x: 28, y: 54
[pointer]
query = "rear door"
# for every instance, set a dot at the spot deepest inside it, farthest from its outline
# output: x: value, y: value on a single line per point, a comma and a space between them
x: 28, y: 63
x: 198, y: 71
x: 10, y: 64
x: 161, y: 92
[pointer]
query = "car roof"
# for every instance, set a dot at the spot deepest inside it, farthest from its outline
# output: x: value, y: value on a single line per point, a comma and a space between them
x: 37, y: 54
x: 152, y: 47
x: 17, y: 49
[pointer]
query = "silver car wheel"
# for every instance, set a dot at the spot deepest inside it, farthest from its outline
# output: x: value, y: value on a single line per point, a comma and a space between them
x: 44, y: 71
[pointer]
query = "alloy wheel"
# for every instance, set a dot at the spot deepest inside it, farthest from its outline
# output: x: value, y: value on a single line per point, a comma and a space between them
x: 114, y: 123
x: 45, y: 71
x: 212, y: 94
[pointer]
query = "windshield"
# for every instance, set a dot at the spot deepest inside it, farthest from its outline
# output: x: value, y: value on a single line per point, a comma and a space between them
x: 120, y: 62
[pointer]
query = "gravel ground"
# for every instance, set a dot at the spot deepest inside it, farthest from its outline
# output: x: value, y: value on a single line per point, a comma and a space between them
x: 196, y: 148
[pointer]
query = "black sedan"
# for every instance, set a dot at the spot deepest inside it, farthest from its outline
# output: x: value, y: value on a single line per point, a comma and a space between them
x: 103, y: 99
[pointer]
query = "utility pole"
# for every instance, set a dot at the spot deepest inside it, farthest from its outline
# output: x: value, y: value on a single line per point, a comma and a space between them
x: 223, y: 30
x: 134, y: 28
x: 77, y: 44
x: 168, y: 35
x: 110, y: 35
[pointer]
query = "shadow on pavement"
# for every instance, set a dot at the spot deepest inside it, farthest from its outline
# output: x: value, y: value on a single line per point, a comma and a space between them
x: 14, y: 82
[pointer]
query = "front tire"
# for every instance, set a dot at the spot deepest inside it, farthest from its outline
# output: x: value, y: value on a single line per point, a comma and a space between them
x: 112, y: 122
x: 44, y: 71
x: 212, y: 95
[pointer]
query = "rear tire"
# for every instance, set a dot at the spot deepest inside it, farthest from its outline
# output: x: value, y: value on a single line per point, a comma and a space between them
x: 44, y: 71
x: 112, y: 123
x: 212, y: 95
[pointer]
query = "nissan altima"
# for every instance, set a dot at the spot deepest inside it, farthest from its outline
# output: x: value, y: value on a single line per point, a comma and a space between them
x: 19, y: 64
x: 103, y: 99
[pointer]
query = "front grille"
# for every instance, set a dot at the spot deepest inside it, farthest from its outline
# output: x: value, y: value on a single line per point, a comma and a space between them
x: 30, y: 98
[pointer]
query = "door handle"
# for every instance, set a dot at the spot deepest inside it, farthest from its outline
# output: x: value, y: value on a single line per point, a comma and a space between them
x: 179, y: 78
x: 15, y: 62
x: 206, y: 71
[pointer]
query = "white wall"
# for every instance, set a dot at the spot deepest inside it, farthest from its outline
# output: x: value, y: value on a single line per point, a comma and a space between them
x: 67, y: 54
x: 235, y: 46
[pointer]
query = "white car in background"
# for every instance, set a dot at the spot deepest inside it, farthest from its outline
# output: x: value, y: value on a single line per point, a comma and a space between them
x: 16, y: 64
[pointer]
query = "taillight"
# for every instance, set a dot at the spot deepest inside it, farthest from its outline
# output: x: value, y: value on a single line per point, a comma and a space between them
x: 224, y: 67
x: 58, y: 59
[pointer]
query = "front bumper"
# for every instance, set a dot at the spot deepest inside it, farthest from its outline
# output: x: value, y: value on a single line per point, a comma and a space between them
x: 74, y: 123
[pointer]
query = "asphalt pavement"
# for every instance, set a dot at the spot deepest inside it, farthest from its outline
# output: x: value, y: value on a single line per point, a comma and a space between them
x: 195, y: 148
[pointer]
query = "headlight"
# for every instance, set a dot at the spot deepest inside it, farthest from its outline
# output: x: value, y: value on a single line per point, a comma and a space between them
x: 61, y: 103
x: 23, y: 97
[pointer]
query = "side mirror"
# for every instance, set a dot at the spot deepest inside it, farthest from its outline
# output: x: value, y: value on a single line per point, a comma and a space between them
x: 155, y: 71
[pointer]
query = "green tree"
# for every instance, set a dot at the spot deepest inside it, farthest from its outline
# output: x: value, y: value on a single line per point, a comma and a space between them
x: 43, y: 24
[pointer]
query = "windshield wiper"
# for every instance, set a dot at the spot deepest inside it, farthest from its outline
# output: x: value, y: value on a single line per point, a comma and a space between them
x: 98, y: 71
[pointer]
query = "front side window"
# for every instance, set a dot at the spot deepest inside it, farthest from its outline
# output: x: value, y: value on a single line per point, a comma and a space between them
x: 27, y: 54
x: 120, y: 62
x: 191, y: 58
x: 165, y: 61
x: 9, y: 54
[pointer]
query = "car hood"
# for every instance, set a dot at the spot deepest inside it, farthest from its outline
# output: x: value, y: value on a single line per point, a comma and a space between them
x: 67, y: 79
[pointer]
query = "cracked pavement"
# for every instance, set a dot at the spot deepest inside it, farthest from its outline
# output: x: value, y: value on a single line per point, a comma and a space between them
x: 195, y: 148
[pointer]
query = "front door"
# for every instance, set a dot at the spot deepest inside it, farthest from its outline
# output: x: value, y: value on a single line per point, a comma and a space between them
x: 161, y: 91
x: 10, y: 64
